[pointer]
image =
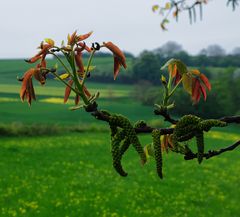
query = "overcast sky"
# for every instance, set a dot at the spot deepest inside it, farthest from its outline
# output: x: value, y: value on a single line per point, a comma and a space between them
x: 129, y: 23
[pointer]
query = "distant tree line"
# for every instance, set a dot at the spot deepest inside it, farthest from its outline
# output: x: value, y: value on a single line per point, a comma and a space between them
x: 146, y: 66
x: 224, y: 98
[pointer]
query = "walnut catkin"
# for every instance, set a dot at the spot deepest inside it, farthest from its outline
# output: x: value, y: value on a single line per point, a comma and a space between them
x: 157, y: 151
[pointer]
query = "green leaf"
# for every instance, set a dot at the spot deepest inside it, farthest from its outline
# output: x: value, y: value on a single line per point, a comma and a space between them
x: 163, y: 24
x: 91, y: 68
x: 181, y: 67
x: 149, y: 150
x: 64, y: 76
x: 76, y: 107
x: 56, y: 66
x: 187, y: 83
x: 49, y: 41
x: 169, y: 62
x: 155, y: 8
x: 164, y: 80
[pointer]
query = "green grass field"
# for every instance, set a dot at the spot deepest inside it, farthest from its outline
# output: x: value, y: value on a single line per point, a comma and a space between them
x: 10, y: 69
x: 70, y: 174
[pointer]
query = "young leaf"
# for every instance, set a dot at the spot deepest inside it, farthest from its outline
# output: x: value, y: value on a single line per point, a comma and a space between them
x: 195, y: 72
x: 91, y: 68
x: 169, y: 62
x: 203, y: 92
x: 205, y: 81
x: 155, y: 8
x: 64, y: 76
x: 49, y: 41
x: 187, y: 83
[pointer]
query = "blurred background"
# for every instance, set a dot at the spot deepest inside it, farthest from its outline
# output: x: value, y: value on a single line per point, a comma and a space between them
x: 57, y: 162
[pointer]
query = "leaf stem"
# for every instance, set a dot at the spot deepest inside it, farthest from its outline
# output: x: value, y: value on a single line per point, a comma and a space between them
x: 88, y: 65
x: 54, y: 73
x: 173, y: 90
x: 62, y: 63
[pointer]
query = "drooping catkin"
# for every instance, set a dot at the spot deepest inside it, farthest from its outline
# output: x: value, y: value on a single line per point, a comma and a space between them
x: 116, y: 140
x: 200, y: 146
x: 157, y: 151
x: 124, y: 147
x: 206, y: 125
x: 130, y: 133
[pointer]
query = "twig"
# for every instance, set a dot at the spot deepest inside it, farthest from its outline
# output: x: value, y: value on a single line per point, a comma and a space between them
x: 190, y: 155
x: 231, y: 119
x: 166, y: 116
x: 93, y: 109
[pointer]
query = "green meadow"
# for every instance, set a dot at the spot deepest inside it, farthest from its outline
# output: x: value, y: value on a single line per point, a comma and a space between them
x: 57, y: 162
x: 72, y: 175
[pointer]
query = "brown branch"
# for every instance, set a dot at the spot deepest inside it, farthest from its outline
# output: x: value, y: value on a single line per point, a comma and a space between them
x: 231, y: 119
x: 190, y: 155
x: 165, y: 114
x: 100, y: 115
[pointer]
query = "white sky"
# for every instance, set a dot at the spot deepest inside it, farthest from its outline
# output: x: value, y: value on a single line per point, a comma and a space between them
x: 129, y: 23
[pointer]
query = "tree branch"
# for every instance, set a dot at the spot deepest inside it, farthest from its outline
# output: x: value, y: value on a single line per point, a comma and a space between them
x: 231, y: 119
x: 166, y: 116
x: 100, y: 115
x: 190, y: 155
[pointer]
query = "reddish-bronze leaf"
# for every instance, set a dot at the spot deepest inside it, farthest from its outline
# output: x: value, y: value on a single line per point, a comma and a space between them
x: 27, y: 76
x: 38, y: 76
x: 33, y: 59
x: 77, y: 99
x: 198, y: 96
x: 205, y: 81
x: 43, y: 61
x: 203, y: 92
x: 195, y: 90
x: 27, y: 90
x: 116, y: 52
x: 72, y: 38
x: 84, y: 37
x: 174, y: 71
x: 178, y: 78
x: 79, y: 62
x: 84, y: 47
x: 116, y: 67
x: 68, y: 91
x: 31, y: 89
x: 87, y: 93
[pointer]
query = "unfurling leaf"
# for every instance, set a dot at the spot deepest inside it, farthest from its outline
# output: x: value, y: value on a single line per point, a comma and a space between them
x: 205, y: 81
x: 155, y: 8
x: 187, y: 82
x: 168, y: 5
x: 64, y: 76
x: 163, y: 79
x: 149, y: 150
x: 84, y: 37
x: 55, y: 66
x: 180, y: 66
x: 203, y: 91
x: 163, y: 24
x: 195, y: 72
x: 91, y: 68
x: 173, y: 70
x: 68, y: 91
x: 196, y: 90
x: 49, y: 41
